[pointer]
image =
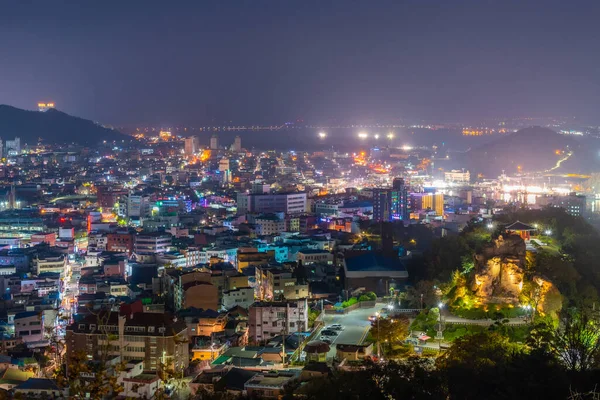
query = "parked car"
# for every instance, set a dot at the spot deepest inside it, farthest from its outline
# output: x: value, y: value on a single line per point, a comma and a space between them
x: 326, y: 339
x: 335, y: 327
x: 328, y: 332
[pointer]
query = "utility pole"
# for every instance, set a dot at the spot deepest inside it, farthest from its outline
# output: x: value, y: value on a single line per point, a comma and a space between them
x: 285, y: 321
x: 440, y: 332
x: 378, y: 338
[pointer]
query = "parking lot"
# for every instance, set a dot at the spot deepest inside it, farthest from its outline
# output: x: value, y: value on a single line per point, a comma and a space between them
x: 356, y: 326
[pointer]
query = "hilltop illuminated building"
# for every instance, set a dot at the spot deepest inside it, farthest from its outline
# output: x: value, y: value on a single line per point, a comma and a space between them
x: 43, y: 107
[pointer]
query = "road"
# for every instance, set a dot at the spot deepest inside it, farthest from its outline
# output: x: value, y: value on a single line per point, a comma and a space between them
x: 449, y: 318
x: 356, y: 326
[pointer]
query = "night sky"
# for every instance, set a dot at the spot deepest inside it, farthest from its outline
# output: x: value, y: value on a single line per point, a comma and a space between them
x: 159, y: 62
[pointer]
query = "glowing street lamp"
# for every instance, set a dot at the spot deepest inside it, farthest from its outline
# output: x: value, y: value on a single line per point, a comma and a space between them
x: 548, y: 232
x: 322, y: 135
x: 377, y: 136
x: 378, y: 345
x: 490, y: 226
x: 390, y: 135
x: 363, y: 135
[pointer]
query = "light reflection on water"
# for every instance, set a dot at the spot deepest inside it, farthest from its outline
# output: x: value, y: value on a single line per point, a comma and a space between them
x: 528, y: 198
x: 595, y: 206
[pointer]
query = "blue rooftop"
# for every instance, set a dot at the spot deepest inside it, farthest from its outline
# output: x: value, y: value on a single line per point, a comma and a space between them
x: 374, y: 262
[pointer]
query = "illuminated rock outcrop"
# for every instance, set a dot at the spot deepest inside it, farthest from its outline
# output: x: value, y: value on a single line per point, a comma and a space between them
x: 499, y: 271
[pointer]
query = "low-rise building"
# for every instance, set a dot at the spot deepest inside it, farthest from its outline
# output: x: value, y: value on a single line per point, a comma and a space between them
x: 149, y: 243
x: 353, y: 352
x: 29, y: 326
x: 44, y: 237
x: 269, y: 385
x: 267, y: 225
x: 311, y: 256
x: 39, y: 388
x: 374, y: 271
x: 243, y: 297
x: 137, y: 384
x: 49, y: 263
x: 269, y: 319
x: 254, y: 258
x: 120, y: 241
x: 191, y: 288
x: 150, y: 337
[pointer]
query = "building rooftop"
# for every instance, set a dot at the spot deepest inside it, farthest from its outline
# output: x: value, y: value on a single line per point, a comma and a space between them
x: 27, y: 314
x: 316, y: 347
x: 374, y: 262
x: 143, y: 378
x: 38, y: 384
x: 155, y: 320
x: 314, y: 251
x: 235, y: 379
x: 292, y: 303
x: 520, y: 226
x: 271, y: 379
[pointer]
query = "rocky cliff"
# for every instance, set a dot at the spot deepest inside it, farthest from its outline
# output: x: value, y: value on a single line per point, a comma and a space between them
x: 499, y: 271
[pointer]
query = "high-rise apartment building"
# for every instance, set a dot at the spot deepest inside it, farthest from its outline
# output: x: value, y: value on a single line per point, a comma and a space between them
x: 191, y: 146
x: 138, y: 206
x: 147, y: 243
x: 13, y: 147
x: 154, y: 338
x: 428, y: 202
x: 237, y: 144
x: 289, y: 203
x: 269, y: 319
x: 391, y: 204
x: 214, y: 142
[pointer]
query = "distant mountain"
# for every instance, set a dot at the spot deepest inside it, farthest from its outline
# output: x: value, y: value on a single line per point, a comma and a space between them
x: 534, y: 149
x: 52, y: 126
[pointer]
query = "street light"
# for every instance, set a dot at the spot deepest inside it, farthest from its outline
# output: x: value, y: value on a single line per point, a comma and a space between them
x: 390, y: 135
x: 322, y: 135
x: 490, y: 226
x: 363, y: 135
x: 440, y: 332
x: 378, y: 339
x: 548, y: 232
x: 377, y: 136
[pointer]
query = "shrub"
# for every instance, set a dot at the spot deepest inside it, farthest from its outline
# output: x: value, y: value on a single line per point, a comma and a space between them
x: 350, y: 302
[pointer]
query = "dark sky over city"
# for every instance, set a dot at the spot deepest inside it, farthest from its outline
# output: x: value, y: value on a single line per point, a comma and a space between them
x: 157, y: 62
